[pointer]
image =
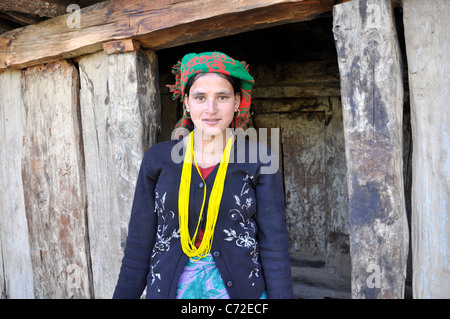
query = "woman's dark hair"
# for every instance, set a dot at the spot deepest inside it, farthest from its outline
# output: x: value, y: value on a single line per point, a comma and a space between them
x: 235, y: 82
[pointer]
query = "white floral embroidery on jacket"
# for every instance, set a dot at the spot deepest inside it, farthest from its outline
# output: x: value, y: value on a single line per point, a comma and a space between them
x: 162, y: 240
x: 244, y: 239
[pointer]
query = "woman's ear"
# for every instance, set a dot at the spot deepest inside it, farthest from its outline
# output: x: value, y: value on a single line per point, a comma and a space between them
x: 186, y: 104
x: 237, y: 102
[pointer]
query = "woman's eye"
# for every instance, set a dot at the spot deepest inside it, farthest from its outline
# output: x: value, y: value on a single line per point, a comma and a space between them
x: 200, y: 98
x: 223, y: 98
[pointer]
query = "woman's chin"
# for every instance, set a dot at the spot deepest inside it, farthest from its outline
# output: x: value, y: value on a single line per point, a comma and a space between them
x: 210, y: 130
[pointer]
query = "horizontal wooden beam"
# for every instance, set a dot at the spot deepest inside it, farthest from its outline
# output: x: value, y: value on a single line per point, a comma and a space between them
x: 155, y: 24
x: 121, y: 46
x: 395, y: 3
x: 34, y: 7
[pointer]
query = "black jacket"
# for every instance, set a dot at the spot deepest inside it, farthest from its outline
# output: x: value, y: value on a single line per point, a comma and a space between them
x: 250, y: 245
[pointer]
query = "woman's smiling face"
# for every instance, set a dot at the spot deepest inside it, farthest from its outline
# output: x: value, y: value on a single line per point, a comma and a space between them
x: 212, y: 103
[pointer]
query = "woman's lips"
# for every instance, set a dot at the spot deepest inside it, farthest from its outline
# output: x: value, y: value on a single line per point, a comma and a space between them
x: 211, y: 121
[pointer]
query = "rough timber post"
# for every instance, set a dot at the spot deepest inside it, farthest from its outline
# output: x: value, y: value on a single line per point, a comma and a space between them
x: 372, y: 100
x: 427, y: 30
x: 53, y: 182
x: 120, y: 110
x: 16, y: 277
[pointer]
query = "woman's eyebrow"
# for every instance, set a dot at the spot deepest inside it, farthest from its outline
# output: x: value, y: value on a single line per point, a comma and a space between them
x: 223, y: 93
x: 226, y: 92
x: 198, y: 93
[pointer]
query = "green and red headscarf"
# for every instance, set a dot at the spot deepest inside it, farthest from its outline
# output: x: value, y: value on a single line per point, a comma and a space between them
x: 216, y: 62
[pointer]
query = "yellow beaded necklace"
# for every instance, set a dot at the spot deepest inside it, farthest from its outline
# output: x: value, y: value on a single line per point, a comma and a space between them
x: 188, y: 243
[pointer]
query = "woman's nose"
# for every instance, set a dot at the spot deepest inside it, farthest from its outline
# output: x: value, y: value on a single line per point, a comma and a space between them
x: 211, y: 106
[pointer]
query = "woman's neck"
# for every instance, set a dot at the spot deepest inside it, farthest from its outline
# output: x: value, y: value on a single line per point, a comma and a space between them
x: 209, y: 148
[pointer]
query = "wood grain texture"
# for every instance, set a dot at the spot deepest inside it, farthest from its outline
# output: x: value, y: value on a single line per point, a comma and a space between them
x: 372, y: 100
x: 427, y: 30
x: 16, y: 277
x: 155, y: 24
x: 304, y: 176
x: 120, y: 110
x: 53, y: 182
x: 40, y: 8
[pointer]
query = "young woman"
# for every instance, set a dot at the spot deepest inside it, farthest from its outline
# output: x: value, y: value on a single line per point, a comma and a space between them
x: 212, y: 225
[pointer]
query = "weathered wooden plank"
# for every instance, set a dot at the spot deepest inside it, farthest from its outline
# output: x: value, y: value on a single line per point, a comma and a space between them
x: 17, y: 275
x: 34, y: 7
x: 336, y: 204
x: 427, y: 30
x: 53, y: 181
x: 298, y: 91
x: 121, y: 46
x: 395, y: 3
x: 156, y: 24
x: 307, y: 79
x: 372, y: 100
x: 254, y: 15
x: 311, y: 72
x: 285, y: 105
x: 3, y: 292
x: 120, y: 110
x: 304, y: 176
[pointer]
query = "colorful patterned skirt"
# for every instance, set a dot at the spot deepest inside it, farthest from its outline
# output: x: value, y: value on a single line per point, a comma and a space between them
x: 201, y: 280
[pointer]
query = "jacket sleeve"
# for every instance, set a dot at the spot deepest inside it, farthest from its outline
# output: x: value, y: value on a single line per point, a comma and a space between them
x: 273, y: 236
x: 141, y: 236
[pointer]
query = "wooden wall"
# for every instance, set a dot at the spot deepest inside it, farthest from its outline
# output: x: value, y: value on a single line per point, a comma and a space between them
x: 76, y: 138
x: 16, y: 279
x: 120, y: 111
x: 370, y: 66
x: 427, y: 45
x: 54, y: 181
x: 72, y: 135
x: 72, y: 142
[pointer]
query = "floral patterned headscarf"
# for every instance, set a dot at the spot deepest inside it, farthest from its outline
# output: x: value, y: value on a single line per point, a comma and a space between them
x: 216, y: 62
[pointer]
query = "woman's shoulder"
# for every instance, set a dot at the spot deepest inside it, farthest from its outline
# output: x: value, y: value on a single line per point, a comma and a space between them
x: 164, y: 145
x: 161, y: 151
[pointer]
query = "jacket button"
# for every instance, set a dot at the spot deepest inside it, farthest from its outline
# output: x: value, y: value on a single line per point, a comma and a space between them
x: 216, y: 254
x: 229, y: 283
x: 200, y: 185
